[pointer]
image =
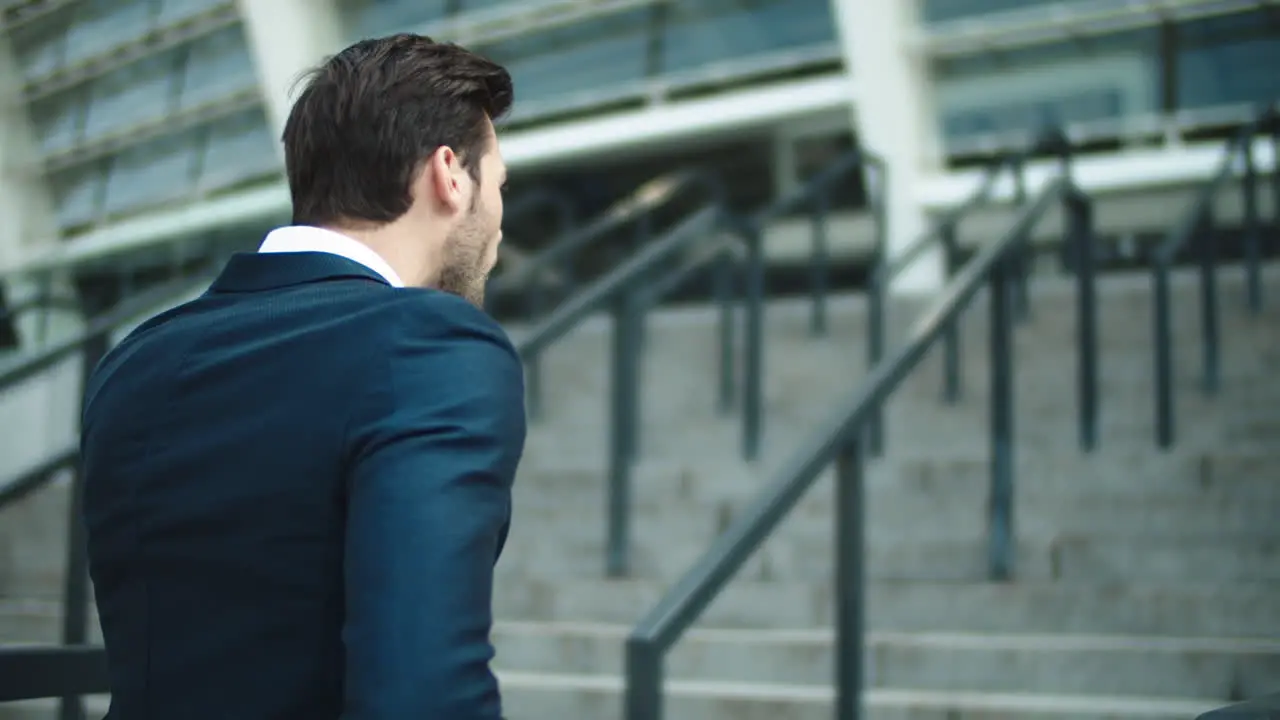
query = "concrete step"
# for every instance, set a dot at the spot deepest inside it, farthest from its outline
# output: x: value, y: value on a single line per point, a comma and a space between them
x: 1055, y: 664
x: 1187, y: 608
x: 805, y: 558
x: 550, y: 696
x: 1194, y: 667
x: 1110, y: 516
x: 679, y: 360
x: 1173, y: 608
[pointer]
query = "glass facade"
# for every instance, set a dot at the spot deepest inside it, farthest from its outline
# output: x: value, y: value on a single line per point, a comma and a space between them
x: 625, y: 53
x: 141, y: 102
x: 1215, y: 68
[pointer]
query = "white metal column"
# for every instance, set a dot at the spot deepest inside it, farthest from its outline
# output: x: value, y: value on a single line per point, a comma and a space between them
x: 288, y: 37
x: 894, y: 115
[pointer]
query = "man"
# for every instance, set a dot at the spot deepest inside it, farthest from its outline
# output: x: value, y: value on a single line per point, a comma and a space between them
x: 298, y: 484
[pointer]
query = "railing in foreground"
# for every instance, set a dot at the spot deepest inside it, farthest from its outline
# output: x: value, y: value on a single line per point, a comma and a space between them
x: 59, y: 666
x: 841, y: 442
x: 1198, y: 223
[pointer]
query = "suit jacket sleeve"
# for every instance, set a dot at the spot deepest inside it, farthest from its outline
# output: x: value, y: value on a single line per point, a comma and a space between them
x: 429, y: 502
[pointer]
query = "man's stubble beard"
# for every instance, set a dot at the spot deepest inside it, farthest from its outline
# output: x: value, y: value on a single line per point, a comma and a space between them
x: 464, y: 273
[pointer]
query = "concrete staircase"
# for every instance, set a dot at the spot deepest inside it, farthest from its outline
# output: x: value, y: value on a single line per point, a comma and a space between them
x: 1148, y: 583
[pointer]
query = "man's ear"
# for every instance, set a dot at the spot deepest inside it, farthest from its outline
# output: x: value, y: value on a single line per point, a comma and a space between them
x: 441, y: 179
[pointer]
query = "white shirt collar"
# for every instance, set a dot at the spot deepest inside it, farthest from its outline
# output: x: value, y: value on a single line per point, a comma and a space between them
x: 304, y: 238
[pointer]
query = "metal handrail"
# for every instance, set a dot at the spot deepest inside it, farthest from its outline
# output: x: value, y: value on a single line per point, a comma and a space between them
x: 816, y: 195
x: 97, y: 327
x: 942, y: 234
x: 645, y: 199
x: 42, y: 671
x: 840, y: 440
x: 558, y: 259
x: 1198, y: 223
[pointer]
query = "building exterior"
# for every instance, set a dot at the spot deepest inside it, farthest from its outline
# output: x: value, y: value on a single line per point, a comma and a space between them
x: 145, y: 123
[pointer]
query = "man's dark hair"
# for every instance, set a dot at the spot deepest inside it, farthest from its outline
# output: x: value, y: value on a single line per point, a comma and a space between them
x: 370, y: 115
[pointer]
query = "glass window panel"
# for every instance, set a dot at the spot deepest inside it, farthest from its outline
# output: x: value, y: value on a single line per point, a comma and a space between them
x: 39, y: 52
x: 370, y: 18
x: 701, y: 33
x: 151, y: 173
x: 1022, y: 90
x: 171, y: 12
x: 597, y: 54
x: 241, y: 147
x: 56, y: 121
x: 101, y: 25
x: 131, y: 95
x: 217, y: 65
x: 944, y: 10
x: 77, y: 194
x: 1240, y: 73
x: 474, y: 5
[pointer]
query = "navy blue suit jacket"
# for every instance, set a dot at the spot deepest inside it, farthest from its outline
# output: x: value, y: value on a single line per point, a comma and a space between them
x: 296, y: 489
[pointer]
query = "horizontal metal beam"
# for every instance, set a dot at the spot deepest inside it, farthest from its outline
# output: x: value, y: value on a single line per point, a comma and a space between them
x: 1068, y: 20
x: 30, y: 673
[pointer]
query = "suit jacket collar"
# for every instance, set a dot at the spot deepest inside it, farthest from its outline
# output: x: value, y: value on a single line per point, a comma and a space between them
x: 251, y: 272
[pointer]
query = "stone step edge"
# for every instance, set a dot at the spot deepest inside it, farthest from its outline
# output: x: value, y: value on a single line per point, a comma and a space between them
x: 1062, y: 642
x: 953, y: 640
x: 1029, y: 703
x: 875, y: 697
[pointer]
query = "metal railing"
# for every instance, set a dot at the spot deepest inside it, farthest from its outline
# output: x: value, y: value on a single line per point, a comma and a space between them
x: 841, y: 442
x: 557, y: 267
x: 709, y: 240
x: 91, y: 344
x: 943, y: 236
x: 1198, y: 224
x: 816, y: 195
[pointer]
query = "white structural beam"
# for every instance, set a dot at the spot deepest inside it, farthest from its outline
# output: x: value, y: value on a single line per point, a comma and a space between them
x: 894, y: 117
x: 287, y: 38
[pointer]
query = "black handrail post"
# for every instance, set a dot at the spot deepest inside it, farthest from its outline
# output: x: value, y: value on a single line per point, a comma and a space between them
x: 533, y: 364
x: 951, y: 336
x: 1023, y: 256
x: 723, y: 287
x: 819, y: 262
x: 753, y: 400
x: 1252, y: 230
x: 850, y: 540
x: 643, y: 694
x: 1273, y: 126
x: 1209, y: 302
x: 1000, y: 507
x: 76, y: 589
x: 1162, y: 332
x: 875, y: 351
x: 877, y: 302
x: 623, y: 427
x: 1080, y: 236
